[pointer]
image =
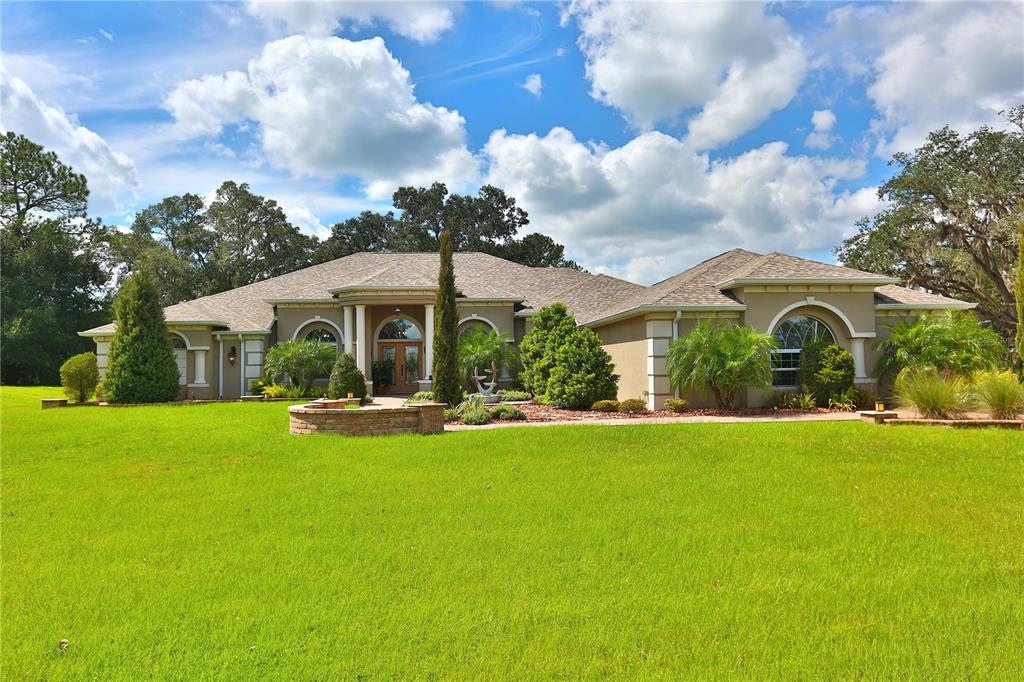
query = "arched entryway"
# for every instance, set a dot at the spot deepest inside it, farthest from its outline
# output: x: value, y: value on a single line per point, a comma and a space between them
x: 399, y: 364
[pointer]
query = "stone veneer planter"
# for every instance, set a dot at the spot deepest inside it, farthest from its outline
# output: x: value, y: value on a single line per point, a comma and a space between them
x: 373, y: 421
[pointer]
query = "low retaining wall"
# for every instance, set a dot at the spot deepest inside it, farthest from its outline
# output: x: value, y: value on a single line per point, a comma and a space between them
x: 422, y: 418
x: 962, y: 423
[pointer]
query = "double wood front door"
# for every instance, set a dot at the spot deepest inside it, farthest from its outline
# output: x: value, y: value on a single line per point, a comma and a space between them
x: 407, y: 357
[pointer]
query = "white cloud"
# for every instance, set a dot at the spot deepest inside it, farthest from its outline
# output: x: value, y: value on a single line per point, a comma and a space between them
x: 110, y: 174
x: 330, y: 107
x: 652, y: 207
x: 306, y: 221
x: 823, y: 120
x: 533, y: 84
x: 109, y: 35
x: 932, y: 64
x: 657, y: 61
x: 423, y: 22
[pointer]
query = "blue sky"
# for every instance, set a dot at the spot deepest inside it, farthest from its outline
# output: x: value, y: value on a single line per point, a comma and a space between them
x: 644, y: 136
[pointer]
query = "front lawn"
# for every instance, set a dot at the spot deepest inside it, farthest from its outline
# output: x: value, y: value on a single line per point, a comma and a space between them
x: 203, y: 541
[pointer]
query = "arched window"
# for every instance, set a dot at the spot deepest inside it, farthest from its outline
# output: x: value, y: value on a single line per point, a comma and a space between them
x: 400, y: 329
x: 322, y: 334
x: 792, y: 336
x: 178, y: 343
x: 469, y: 326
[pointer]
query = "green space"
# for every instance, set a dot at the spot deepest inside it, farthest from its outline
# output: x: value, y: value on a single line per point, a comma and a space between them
x: 204, y: 542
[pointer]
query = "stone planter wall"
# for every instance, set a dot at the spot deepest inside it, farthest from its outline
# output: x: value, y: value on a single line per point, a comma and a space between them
x: 422, y: 418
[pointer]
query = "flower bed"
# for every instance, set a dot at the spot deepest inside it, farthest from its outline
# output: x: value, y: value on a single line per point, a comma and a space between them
x: 549, y: 413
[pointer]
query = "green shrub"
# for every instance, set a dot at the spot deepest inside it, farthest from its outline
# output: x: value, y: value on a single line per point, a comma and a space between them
x: 79, y: 377
x: 507, y: 413
x: 863, y: 398
x: 1000, y: 393
x: 451, y: 414
x: 476, y: 416
x: 806, y: 401
x: 721, y: 358
x: 301, y: 361
x: 142, y: 368
x: 782, y: 399
x: 677, y: 405
x: 632, y: 406
x: 480, y: 347
x: 934, y: 394
x: 346, y: 378
x: 810, y: 355
x: 258, y: 386
x: 420, y: 397
x: 293, y: 392
x: 550, y: 327
x: 844, y: 400
x: 834, y: 372
x: 582, y: 373
x: 511, y: 395
x: 605, y: 406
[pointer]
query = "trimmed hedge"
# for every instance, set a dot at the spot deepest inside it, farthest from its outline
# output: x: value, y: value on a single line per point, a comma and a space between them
x: 677, y: 405
x: 605, y: 406
x: 632, y: 406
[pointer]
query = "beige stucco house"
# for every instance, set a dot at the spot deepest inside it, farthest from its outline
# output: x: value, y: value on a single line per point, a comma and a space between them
x: 381, y: 305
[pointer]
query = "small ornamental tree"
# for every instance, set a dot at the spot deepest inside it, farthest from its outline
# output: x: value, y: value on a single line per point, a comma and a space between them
x: 301, y: 361
x: 142, y: 368
x: 79, y: 376
x: 346, y: 378
x: 582, y: 372
x: 834, y: 373
x: 721, y: 359
x: 550, y: 327
x: 447, y: 388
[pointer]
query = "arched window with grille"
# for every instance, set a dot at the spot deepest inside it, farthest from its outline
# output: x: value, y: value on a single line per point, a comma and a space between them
x: 792, y: 336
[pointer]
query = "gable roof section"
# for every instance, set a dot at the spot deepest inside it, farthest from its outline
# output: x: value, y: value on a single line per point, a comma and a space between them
x: 778, y: 267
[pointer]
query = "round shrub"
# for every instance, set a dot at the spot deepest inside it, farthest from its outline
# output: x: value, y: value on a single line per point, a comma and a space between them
x: 79, y: 377
x: 677, y: 405
x: 632, y: 406
x: 551, y: 326
x: 346, y: 378
x: 605, y: 406
x: 834, y: 374
x: 582, y: 373
x: 507, y: 413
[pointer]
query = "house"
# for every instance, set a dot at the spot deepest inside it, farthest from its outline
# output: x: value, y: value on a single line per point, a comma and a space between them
x: 381, y: 306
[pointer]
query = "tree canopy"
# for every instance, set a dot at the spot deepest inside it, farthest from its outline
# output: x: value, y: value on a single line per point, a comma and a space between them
x: 950, y: 224
x: 52, y: 282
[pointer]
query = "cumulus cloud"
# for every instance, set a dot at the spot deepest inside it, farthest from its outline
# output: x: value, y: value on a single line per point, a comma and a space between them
x: 533, y: 84
x: 932, y: 64
x: 423, y: 22
x: 654, y: 206
x: 111, y: 174
x: 657, y: 61
x: 823, y: 120
x: 331, y: 107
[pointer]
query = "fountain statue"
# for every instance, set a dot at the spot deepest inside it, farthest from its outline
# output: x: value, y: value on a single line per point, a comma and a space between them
x: 486, y: 390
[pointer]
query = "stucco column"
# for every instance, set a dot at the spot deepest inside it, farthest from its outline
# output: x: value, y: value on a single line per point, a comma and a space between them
x: 857, y: 350
x: 659, y: 333
x: 346, y: 328
x: 200, y: 369
x: 428, y: 340
x: 361, y: 338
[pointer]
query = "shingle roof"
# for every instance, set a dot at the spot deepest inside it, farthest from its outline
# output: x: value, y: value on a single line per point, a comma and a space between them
x: 479, y: 275
x: 777, y: 265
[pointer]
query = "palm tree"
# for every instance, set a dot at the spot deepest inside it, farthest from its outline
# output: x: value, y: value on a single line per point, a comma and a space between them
x: 954, y: 343
x: 721, y: 359
x: 479, y: 347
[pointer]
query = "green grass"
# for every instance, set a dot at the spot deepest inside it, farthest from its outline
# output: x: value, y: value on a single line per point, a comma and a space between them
x: 204, y: 542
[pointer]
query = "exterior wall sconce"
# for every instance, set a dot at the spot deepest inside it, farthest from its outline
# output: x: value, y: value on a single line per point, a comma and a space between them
x: 232, y: 355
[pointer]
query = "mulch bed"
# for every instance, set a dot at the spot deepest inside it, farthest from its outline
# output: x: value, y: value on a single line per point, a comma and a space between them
x: 548, y: 413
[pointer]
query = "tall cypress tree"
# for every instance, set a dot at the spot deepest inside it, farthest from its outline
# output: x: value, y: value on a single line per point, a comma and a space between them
x: 1019, y: 291
x: 142, y: 367
x: 447, y: 388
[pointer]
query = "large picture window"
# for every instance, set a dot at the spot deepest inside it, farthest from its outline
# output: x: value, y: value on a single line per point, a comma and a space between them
x: 400, y: 329
x: 792, y: 336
